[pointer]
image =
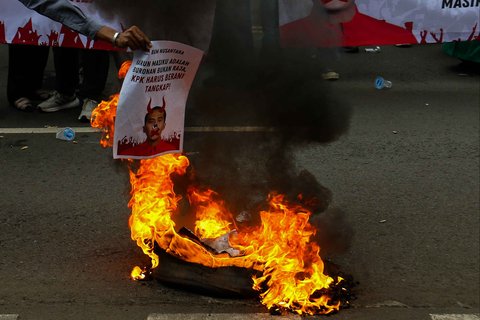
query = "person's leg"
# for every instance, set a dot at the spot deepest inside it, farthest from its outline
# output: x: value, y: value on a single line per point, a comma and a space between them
x: 231, y: 47
x: 66, y: 80
x: 95, y: 64
x: 270, y: 26
x: 330, y: 57
x: 25, y: 74
x: 66, y: 70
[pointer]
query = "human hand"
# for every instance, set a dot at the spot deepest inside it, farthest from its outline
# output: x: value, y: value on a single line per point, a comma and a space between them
x: 133, y: 38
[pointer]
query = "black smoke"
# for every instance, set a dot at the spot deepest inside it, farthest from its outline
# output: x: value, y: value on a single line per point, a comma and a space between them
x: 270, y: 87
x: 248, y: 81
x: 185, y: 21
x: 287, y: 97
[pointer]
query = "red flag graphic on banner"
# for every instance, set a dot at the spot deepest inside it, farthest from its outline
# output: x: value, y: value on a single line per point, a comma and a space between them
x: 363, y: 29
x: 26, y: 34
x: 2, y: 32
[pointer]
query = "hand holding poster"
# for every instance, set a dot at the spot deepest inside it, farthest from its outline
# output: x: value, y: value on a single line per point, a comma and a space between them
x: 151, y: 109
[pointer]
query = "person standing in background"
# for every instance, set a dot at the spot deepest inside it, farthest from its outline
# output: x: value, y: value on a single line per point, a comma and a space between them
x: 67, y: 61
x: 26, y: 63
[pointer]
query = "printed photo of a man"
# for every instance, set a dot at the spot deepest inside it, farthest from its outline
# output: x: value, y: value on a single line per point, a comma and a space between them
x: 356, y: 28
x: 154, y: 125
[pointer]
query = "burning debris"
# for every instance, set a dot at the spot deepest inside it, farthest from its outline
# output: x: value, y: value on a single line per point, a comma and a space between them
x: 222, y: 244
x: 271, y: 240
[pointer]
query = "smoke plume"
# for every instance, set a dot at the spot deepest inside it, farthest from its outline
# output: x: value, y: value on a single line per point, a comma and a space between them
x: 244, y: 84
x: 185, y: 21
x: 285, y: 93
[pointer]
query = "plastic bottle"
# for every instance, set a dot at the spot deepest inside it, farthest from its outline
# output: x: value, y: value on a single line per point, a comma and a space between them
x: 373, y: 50
x: 381, y: 83
x: 67, y: 134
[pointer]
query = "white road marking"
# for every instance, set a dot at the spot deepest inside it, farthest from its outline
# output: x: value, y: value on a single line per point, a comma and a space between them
x: 8, y: 316
x: 219, y: 316
x: 265, y: 316
x: 230, y: 129
x: 44, y: 130
x: 92, y: 130
x: 455, y: 316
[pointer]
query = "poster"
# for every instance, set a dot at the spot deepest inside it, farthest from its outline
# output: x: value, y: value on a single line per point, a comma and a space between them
x: 151, y: 108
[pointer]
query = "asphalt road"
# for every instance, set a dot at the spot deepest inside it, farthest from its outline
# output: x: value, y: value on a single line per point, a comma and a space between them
x: 406, y: 176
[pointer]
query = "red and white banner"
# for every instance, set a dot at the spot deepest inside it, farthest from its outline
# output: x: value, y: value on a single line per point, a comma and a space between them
x: 361, y: 22
x: 184, y: 21
x: 378, y: 22
x: 20, y: 25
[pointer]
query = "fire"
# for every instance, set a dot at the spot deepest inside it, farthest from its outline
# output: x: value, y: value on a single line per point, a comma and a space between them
x: 103, y: 118
x: 213, y: 220
x: 292, y: 267
x: 290, y: 271
x: 122, y: 73
x: 154, y: 202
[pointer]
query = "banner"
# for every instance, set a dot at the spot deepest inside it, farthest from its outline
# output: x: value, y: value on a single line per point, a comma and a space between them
x: 378, y: 22
x: 151, y: 108
x: 20, y: 25
x: 357, y: 23
x: 185, y: 21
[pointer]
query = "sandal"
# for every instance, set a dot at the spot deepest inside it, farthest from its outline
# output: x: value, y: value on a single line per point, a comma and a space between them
x: 24, y: 104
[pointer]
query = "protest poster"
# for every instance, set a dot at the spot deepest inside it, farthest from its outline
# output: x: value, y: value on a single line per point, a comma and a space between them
x: 151, y: 108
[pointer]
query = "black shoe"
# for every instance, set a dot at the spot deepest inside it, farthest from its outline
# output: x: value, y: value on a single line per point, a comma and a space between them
x: 467, y: 68
x: 351, y: 49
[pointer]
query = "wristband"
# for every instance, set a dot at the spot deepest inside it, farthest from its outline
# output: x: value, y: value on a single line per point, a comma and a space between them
x: 114, y: 39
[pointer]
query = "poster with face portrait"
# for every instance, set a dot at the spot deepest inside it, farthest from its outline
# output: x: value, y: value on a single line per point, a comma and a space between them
x: 151, y: 108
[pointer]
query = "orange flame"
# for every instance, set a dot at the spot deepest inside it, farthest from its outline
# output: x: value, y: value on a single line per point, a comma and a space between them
x: 122, y: 73
x: 154, y: 202
x: 292, y: 272
x: 103, y: 116
x: 292, y: 267
x: 213, y: 220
